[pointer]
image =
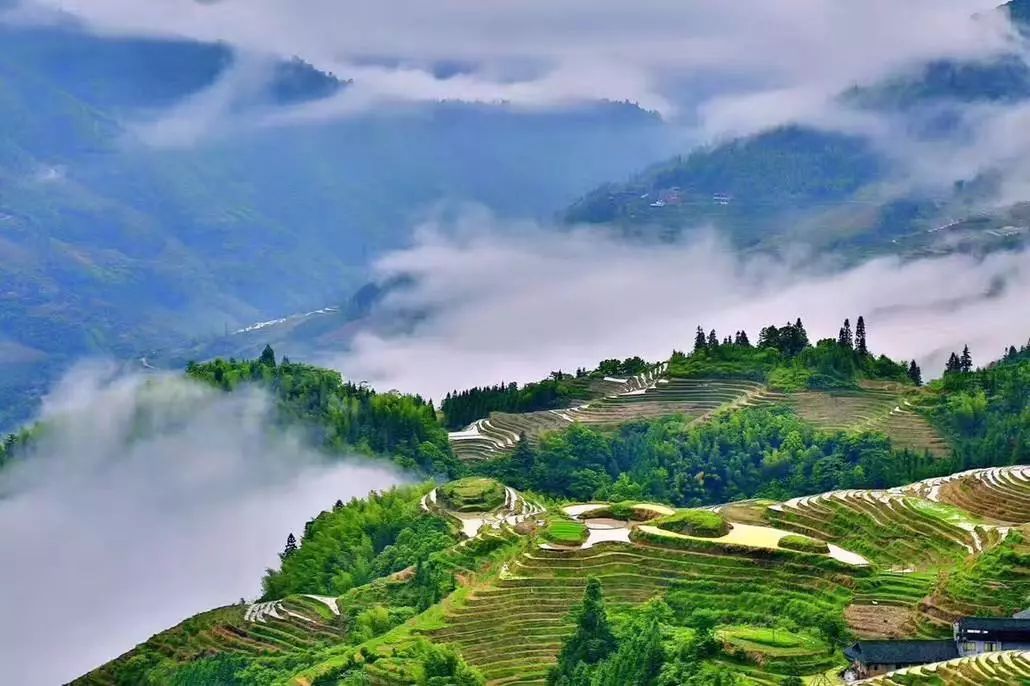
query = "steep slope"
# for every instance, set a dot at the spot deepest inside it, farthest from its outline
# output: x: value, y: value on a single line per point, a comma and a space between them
x: 476, y: 582
x: 502, y: 597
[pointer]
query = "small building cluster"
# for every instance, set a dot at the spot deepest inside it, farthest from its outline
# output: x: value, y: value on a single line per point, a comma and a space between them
x: 971, y: 636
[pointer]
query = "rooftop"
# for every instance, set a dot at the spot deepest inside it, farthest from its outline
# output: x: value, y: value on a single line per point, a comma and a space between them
x: 902, y: 652
x: 975, y: 624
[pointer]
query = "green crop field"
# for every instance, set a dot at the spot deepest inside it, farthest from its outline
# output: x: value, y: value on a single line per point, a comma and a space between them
x: 565, y: 533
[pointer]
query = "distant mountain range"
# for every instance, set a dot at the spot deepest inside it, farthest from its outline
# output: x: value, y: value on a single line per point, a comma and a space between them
x: 108, y: 246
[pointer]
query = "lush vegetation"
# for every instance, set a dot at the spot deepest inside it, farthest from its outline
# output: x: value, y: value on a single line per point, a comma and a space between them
x: 565, y: 532
x: 986, y: 412
x: 774, y: 170
x: 461, y: 408
x: 754, y: 452
x: 642, y: 654
x: 472, y: 494
x: 357, y: 542
x: 340, y: 416
x: 657, y: 611
x: 803, y: 544
x: 627, y: 510
x: 784, y: 357
x: 694, y: 523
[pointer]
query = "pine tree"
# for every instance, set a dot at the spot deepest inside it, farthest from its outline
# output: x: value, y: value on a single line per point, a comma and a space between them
x: 700, y: 342
x: 769, y: 337
x: 338, y: 505
x: 638, y: 660
x: 713, y: 340
x: 966, y: 361
x: 845, y: 338
x: 801, y: 334
x: 290, y: 549
x: 915, y: 374
x: 267, y: 356
x: 592, y: 640
x: 953, y: 365
x: 860, y: 342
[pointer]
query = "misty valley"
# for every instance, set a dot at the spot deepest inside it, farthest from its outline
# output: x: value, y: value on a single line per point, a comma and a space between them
x: 515, y: 343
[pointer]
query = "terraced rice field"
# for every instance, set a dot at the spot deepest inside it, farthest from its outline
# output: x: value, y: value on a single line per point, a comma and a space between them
x: 912, y: 533
x: 1006, y: 668
x: 1000, y: 494
x: 888, y: 529
x: 877, y: 407
x: 780, y: 650
x: 296, y: 623
x: 996, y: 583
x: 492, y: 437
x: 512, y: 630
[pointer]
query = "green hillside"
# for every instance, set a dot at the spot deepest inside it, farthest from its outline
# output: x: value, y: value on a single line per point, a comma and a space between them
x: 730, y: 604
x: 573, y: 557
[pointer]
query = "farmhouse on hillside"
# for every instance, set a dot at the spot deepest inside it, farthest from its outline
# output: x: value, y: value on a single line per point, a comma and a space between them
x: 975, y: 635
x: 971, y: 636
x: 870, y: 658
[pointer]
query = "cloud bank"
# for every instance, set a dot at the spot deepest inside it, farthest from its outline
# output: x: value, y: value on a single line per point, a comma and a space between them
x: 147, y: 499
x: 714, y: 70
x: 789, y: 56
x: 513, y: 302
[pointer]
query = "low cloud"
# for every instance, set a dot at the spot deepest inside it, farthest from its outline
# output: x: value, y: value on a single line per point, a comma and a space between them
x: 513, y: 302
x: 714, y: 70
x: 146, y: 500
x: 794, y: 55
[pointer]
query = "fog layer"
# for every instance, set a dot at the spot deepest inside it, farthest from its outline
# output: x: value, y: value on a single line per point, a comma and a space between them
x: 146, y: 500
x: 513, y: 302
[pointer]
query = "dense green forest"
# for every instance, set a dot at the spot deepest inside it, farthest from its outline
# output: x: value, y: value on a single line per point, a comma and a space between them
x: 985, y: 412
x: 654, y: 645
x: 357, y: 542
x: 756, y: 452
x: 784, y: 357
x: 460, y: 408
x: 341, y: 415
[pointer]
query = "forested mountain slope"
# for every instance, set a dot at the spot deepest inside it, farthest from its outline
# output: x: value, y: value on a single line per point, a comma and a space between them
x: 837, y: 189
x: 117, y: 237
x: 476, y: 581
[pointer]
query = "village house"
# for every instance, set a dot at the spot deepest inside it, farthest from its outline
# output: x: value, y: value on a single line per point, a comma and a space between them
x: 871, y: 658
x: 970, y: 636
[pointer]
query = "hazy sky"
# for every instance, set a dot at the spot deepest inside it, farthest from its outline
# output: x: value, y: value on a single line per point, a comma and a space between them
x: 147, y: 501
x: 713, y: 69
x: 760, y: 62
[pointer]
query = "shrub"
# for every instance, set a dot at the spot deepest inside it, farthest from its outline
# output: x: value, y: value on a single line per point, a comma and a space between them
x: 804, y: 544
x: 472, y: 494
x: 694, y: 523
x: 626, y: 510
